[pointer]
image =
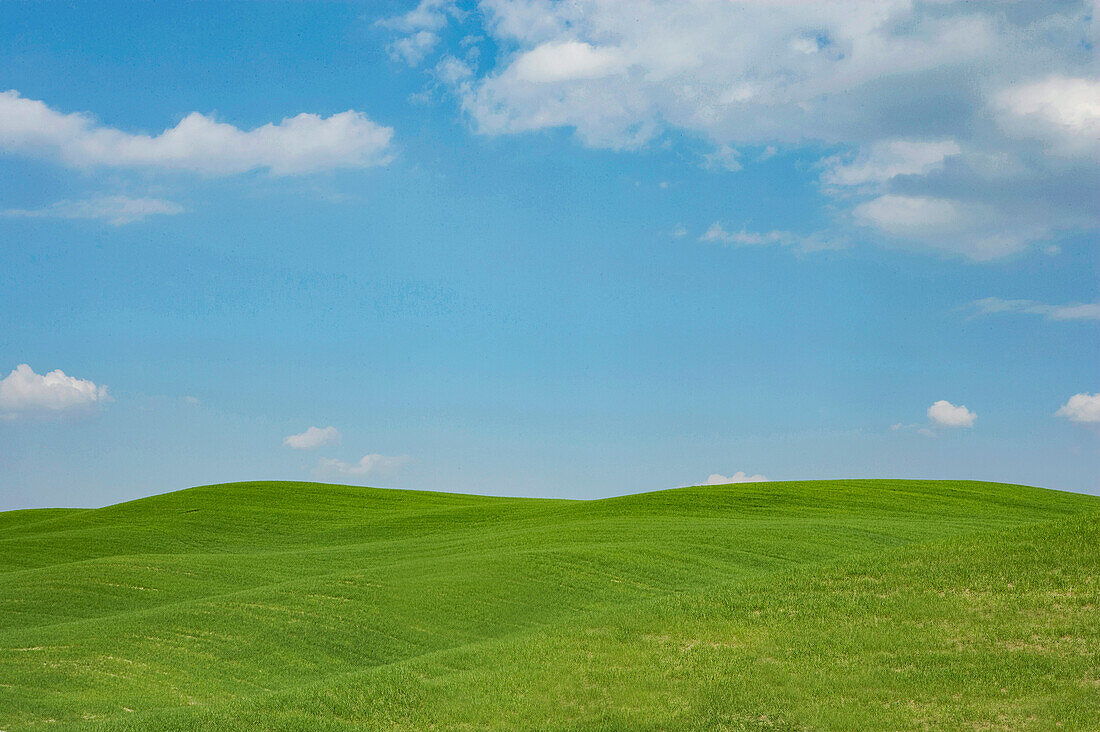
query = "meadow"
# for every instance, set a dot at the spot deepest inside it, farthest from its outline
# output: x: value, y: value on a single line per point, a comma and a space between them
x: 817, y: 605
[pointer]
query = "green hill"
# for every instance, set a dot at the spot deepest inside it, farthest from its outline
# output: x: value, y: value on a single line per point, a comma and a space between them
x: 811, y: 605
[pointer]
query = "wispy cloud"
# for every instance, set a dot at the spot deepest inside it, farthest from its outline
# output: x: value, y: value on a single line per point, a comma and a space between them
x: 116, y: 210
x: 812, y: 243
x: 1072, y: 311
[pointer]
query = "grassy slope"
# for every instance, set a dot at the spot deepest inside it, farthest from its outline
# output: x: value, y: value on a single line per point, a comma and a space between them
x: 847, y: 604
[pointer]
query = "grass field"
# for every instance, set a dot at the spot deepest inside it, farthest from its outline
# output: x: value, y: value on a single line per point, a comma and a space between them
x: 814, y: 605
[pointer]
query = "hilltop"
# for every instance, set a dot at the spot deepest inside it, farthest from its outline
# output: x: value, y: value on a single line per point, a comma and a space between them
x: 800, y: 605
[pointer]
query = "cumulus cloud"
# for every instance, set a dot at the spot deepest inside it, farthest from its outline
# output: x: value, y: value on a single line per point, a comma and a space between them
x: 1063, y: 112
x: 739, y: 477
x: 115, y: 210
x: 736, y: 72
x: 367, y: 465
x: 305, y: 143
x: 312, y: 438
x: 1073, y: 311
x: 945, y: 414
x: 941, y: 109
x: 25, y: 393
x: 1081, y: 408
x: 565, y: 61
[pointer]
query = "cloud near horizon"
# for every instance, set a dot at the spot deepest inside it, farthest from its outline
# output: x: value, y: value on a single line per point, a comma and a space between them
x: 367, y: 465
x: 739, y: 477
x: 25, y: 393
x: 306, y: 143
x: 312, y: 438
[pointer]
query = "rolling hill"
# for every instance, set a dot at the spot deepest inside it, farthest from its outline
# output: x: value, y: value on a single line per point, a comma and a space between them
x: 805, y: 605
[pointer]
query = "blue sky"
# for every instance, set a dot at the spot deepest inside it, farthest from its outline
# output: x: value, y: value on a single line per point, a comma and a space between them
x: 546, y: 249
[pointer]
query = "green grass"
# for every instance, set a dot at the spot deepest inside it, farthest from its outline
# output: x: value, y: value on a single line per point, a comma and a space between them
x: 815, y: 605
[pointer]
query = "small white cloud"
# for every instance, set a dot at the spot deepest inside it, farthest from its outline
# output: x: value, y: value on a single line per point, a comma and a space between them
x: 724, y: 157
x: 116, y: 210
x: 945, y: 414
x: 368, y: 464
x: 312, y: 438
x: 453, y: 71
x: 739, y: 477
x: 1081, y: 408
x: 1073, y: 311
x: 413, y: 48
x: 680, y: 231
x: 303, y: 144
x: 23, y: 392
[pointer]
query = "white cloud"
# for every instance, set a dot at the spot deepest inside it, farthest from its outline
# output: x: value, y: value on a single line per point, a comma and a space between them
x: 566, y: 61
x: 23, y: 392
x: 812, y: 243
x: 1063, y: 112
x: 936, y: 104
x: 453, y: 71
x: 368, y: 464
x: 116, y: 210
x: 312, y: 438
x: 734, y: 72
x: 945, y: 414
x: 884, y: 161
x: 739, y: 477
x: 302, y: 144
x: 1073, y: 311
x: 1081, y: 408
